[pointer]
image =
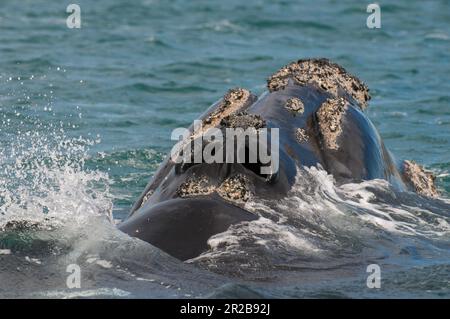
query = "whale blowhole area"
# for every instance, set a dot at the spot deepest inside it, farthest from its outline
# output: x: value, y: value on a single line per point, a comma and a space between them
x: 327, y: 75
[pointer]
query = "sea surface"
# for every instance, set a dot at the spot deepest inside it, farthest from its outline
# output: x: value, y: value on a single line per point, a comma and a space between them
x: 86, y: 116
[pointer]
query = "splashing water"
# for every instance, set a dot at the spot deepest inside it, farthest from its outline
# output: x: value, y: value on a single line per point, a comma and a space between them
x: 55, y: 211
x: 42, y: 177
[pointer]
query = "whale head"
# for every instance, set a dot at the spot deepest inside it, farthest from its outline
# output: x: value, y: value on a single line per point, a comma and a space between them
x: 312, y: 114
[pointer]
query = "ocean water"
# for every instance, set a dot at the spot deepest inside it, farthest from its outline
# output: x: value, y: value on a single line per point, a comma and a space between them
x: 86, y: 116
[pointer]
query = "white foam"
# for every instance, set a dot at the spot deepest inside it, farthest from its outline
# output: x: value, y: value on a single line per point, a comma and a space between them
x: 110, y: 292
x: 33, y: 260
x: 329, y: 212
x: 104, y: 263
x: 145, y: 279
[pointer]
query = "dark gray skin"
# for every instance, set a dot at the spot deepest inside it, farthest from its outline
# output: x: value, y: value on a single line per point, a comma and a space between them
x: 188, y: 220
x: 181, y: 224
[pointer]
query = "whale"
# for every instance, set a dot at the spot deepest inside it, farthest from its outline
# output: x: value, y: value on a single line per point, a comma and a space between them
x: 318, y: 109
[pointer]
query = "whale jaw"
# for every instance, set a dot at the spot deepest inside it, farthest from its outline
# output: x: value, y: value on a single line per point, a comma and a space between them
x: 182, y: 227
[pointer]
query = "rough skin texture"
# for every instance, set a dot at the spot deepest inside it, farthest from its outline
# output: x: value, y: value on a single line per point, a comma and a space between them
x: 421, y: 180
x: 344, y: 89
x: 301, y: 136
x: 243, y: 120
x: 195, y: 186
x: 235, y: 189
x: 295, y: 106
x: 233, y: 101
x: 329, y: 117
x: 327, y: 75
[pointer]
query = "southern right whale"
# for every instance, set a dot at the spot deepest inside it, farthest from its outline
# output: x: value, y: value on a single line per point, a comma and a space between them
x: 318, y: 108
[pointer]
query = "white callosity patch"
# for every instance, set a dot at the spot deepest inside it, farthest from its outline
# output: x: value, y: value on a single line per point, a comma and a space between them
x: 330, y: 115
x: 195, y: 186
x: 421, y: 180
x: 235, y: 189
x: 301, y: 136
x: 295, y: 105
x: 327, y: 75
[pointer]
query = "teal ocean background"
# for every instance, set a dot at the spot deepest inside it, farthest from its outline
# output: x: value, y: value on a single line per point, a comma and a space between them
x: 86, y: 114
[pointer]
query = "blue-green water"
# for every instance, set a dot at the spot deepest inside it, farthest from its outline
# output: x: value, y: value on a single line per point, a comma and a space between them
x: 134, y: 71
